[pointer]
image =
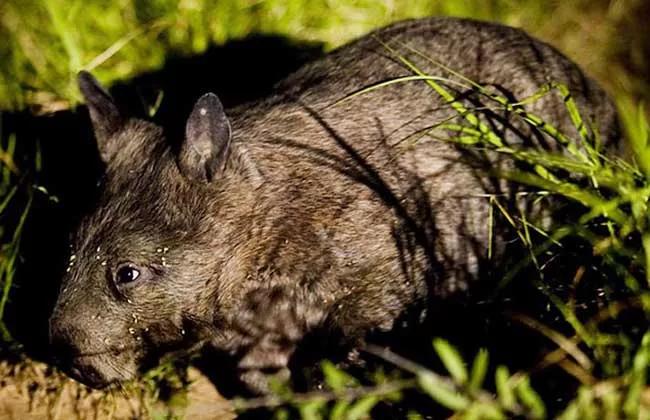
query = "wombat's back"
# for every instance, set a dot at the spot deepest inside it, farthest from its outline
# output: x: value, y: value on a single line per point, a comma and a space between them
x: 374, y: 166
x: 506, y: 59
x: 365, y: 197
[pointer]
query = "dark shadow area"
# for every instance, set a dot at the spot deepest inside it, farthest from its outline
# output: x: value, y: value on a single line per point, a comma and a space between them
x: 238, y: 72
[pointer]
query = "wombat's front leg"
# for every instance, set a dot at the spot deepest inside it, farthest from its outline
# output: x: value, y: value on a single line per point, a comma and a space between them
x: 271, y: 322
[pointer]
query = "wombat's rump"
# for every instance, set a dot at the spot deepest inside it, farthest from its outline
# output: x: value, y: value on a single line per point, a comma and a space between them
x: 319, y: 208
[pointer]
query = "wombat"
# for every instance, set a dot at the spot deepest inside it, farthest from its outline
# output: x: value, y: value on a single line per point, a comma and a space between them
x: 323, y: 208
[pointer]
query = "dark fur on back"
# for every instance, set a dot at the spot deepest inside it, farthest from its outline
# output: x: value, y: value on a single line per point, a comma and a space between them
x: 302, y: 213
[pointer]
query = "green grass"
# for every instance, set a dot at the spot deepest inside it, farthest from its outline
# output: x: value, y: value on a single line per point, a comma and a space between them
x: 15, y: 204
x: 613, y: 194
x: 45, y: 42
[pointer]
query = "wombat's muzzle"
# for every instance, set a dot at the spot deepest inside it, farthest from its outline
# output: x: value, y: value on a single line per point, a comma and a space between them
x: 66, y: 356
x: 69, y: 352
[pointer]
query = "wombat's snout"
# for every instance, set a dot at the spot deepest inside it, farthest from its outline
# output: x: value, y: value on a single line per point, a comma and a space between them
x: 65, y: 341
x: 66, y: 344
x: 79, y: 369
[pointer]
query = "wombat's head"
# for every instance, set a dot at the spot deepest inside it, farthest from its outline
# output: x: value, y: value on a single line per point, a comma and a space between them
x: 138, y: 280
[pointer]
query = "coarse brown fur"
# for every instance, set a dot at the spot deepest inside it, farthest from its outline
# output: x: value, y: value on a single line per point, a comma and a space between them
x: 303, y: 211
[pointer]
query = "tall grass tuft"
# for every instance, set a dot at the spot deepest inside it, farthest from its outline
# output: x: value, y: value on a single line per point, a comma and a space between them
x: 15, y: 204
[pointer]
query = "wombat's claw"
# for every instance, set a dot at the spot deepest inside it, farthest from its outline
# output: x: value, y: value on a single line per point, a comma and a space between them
x: 264, y: 364
x: 260, y: 382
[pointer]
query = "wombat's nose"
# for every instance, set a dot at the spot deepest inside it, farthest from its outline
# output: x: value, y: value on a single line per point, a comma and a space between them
x: 63, y: 351
x: 67, y: 355
x: 67, y: 341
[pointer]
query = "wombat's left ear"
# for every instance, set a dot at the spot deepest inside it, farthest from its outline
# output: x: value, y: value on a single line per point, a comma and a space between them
x: 104, y: 114
x: 205, y: 151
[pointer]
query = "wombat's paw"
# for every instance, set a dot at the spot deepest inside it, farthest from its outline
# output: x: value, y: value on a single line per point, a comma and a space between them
x: 261, y: 383
x: 264, y: 364
x: 271, y: 323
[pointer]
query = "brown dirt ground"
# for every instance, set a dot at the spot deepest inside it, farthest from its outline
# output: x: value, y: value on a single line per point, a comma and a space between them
x: 32, y: 390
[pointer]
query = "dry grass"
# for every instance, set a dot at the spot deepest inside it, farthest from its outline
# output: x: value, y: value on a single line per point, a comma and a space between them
x: 33, y: 390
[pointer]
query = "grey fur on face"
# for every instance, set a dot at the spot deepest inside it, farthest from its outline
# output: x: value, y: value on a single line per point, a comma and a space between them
x: 302, y: 212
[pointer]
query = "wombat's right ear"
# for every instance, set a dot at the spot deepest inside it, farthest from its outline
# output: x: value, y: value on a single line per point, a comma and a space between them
x: 104, y: 114
x: 204, y: 153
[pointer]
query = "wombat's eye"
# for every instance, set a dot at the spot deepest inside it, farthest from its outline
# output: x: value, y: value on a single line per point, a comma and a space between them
x: 126, y: 274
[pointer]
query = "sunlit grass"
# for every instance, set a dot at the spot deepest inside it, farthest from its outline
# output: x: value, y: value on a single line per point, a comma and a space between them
x: 45, y: 42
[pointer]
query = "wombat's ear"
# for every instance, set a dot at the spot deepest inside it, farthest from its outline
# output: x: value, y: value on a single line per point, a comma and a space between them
x: 204, y: 152
x: 104, y: 114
